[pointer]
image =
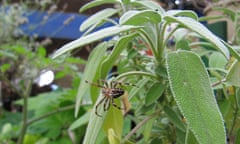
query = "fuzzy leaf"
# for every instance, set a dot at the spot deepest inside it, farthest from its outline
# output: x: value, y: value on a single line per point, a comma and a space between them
x: 233, y: 76
x: 201, y: 30
x: 95, y: 36
x: 97, y: 18
x: 149, y: 4
x: 95, y: 124
x: 190, y: 86
x: 140, y: 17
x: 89, y: 73
x: 97, y: 3
x: 187, y: 13
x: 217, y: 60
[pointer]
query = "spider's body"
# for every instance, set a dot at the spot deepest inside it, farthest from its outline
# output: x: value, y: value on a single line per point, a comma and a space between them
x: 110, y: 91
x: 113, y: 92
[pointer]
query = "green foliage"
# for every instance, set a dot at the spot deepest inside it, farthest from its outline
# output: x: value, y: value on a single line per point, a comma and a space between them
x: 186, y: 92
x: 175, y: 101
x: 192, y: 91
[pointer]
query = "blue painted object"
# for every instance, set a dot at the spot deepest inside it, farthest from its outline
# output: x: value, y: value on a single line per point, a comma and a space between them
x: 55, y: 25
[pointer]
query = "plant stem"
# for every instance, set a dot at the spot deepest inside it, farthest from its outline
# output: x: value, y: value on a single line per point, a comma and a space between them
x: 218, y: 83
x: 136, y: 73
x: 50, y: 113
x: 139, y: 125
x: 25, y: 96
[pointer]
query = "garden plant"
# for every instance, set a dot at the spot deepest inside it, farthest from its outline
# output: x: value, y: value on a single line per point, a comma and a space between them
x: 186, y: 81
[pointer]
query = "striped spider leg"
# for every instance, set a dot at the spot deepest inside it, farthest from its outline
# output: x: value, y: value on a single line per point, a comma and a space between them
x: 110, y: 90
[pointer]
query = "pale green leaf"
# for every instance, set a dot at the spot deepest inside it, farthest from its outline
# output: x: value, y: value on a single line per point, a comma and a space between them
x: 89, y: 72
x: 95, y: 36
x: 150, y: 5
x: 233, y: 76
x: 114, y: 120
x: 98, y: 18
x: 190, y: 86
x: 118, y: 48
x: 95, y: 124
x: 232, y: 50
x: 80, y: 122
x: 97, y: 3
x: 135, y: 17
x: 112, y: 138
x: 217, y: 60
x: 201, y: 30
x: 186, y: 13
x: 140, y: 85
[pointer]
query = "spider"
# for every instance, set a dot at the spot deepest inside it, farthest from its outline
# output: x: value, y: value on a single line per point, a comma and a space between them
x: 110, y: 90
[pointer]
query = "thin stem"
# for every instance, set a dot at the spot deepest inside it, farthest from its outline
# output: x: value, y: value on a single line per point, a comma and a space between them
x: 50, y: 114
x: 25, y: 96
x: 146, y: 37
x: 218, y: 83
x: 121, y: 76
x: 139, y: 125
x: 161, y: 43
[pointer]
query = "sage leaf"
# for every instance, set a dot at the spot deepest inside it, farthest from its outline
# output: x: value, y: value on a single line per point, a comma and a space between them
x: 190, y: 86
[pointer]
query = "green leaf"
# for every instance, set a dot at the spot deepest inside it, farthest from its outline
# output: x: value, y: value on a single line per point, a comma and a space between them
x: 217, y: 60
x: 97, y: 3
x: 135, y: 17
x: 149, y: 4
x: 5, y: 67
x: 98, y: 18
x: 183, y: 44
x: 186, y: 13
x: 233, y: 52
x: 41, y: 52
x: 118, y: 48
x: 135, y: 90
x: 112, y: 138
x: 98, y: 35
x: 148, y: 129
x: 174, y: 118
x: 191, y: 139
x: 89, y: 72
x: 227, y: 11
x: 154, y: 93
x: 80, y: 122
x: 191, y: 89
x: 201, y: 30
x: 114, y: 120
x: 95, y: 124
x: 233, y: 76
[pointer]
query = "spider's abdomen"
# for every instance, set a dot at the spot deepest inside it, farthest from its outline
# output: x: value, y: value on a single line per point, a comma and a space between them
x: 117, y: 92
x: 113, y: 92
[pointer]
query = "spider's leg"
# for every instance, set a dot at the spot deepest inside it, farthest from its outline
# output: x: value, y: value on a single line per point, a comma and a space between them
x: 96, y: 108
x: 106, y: 104
x: 125, y: 83
x: 105, y: 83
x: 115, y: 105
x: 94, y: 84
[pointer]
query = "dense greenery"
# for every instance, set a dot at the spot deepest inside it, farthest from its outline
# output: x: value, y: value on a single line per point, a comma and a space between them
x: 175, y: 100
x: 182, y: 82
